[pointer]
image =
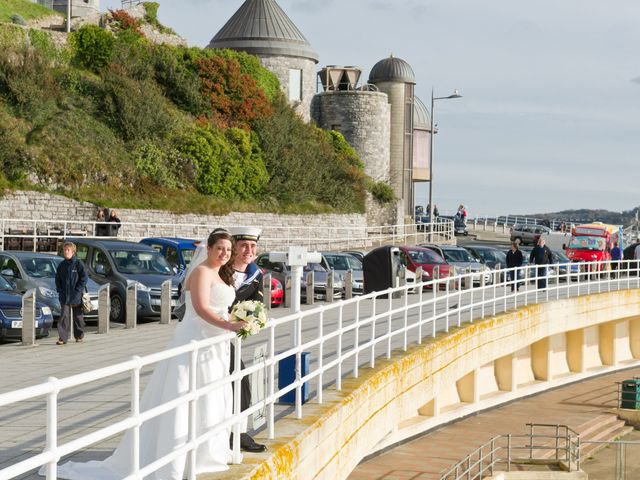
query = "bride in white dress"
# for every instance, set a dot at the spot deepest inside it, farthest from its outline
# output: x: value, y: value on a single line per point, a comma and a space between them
x: 209, y: 294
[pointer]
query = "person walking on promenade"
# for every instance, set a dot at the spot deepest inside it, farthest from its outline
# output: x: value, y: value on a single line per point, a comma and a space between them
x: 247, y: 278
x: 71, y: 281
x: 616, y: 257
x: 114, y: 223
x: 462, y: 214
x: 541, y: 255
x: 514, y: 262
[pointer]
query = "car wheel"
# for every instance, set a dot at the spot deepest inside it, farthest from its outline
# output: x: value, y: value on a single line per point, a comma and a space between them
x: 117, y: 311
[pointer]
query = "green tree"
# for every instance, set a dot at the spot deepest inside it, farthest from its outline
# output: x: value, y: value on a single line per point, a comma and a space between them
x: 93, y: 47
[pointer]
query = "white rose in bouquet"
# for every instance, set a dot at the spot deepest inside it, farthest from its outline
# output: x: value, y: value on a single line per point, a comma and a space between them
x: 253, y: 313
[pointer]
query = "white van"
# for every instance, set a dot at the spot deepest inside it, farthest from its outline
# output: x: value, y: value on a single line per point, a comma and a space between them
x: 557, y: 240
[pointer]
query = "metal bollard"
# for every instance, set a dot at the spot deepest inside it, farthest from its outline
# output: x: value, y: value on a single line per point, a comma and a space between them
x: 165, y: 302
x: 29, y: 317
x: 419, y: 273
x: 468, y: 279
x: 104, y: 308
x: 329, y: 290
x: 266, y: 289
x: 309, y: 280
x: 287, y: 291
x: 348, y: 284
x: 132, y: 304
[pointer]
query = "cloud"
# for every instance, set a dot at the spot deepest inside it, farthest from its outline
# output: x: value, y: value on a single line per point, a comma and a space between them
x: 636, y: 80
x: 310, y: 5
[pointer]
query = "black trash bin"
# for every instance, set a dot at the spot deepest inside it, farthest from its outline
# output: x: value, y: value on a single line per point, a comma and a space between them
x: 380, y: 268
x: 630, y: 394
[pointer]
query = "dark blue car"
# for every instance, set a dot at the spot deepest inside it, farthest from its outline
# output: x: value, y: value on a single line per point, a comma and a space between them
x: 11, y: 314
x: 177, y: 251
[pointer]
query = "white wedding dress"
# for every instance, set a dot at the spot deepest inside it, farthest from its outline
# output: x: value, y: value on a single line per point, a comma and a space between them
x: 169, y: 431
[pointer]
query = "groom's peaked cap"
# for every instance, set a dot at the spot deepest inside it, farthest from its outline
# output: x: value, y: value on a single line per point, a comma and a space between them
x: 246, y: 233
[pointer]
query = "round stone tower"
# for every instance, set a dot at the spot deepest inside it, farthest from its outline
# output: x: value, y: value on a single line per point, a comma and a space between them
x: 261, y: 27
x: 395, y: 77
x: 362, y: 116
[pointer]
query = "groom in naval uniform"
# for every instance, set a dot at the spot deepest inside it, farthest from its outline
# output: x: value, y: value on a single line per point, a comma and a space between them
x: 248, y: 282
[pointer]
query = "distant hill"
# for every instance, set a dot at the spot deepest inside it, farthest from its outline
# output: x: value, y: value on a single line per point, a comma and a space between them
x: 625, y: 218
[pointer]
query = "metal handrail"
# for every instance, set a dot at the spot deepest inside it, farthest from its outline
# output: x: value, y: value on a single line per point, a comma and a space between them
x: 485, y: 459
x: 39, y: 231
x: 429, y: 314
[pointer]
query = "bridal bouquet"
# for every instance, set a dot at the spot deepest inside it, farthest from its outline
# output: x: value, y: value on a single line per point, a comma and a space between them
x: 252, y: 312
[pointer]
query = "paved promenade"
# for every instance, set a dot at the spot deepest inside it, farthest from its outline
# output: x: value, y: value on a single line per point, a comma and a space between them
x: 426, y: 457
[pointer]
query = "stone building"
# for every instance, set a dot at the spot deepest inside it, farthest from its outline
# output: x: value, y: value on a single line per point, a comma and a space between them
x: 261, y: 27
x: 79, y: 8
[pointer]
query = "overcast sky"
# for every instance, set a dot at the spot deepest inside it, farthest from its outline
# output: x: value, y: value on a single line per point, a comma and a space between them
x: 550, y: 114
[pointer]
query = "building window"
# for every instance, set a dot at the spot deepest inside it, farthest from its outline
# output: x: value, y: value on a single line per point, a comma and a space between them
x: 295, y: 85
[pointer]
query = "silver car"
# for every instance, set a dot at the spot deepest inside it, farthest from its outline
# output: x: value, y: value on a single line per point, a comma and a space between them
x: 343, y: 262
x: 463, y: 261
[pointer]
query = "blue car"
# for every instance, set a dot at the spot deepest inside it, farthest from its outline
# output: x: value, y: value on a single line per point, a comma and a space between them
x: 177, y: 251
x: 11, y: 314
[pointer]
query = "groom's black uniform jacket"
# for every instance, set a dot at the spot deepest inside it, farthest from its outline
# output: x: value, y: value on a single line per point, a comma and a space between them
x: 250, y: 289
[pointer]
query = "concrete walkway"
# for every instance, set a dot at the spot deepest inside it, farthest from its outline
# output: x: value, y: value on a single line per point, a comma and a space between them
x: 426, y: 457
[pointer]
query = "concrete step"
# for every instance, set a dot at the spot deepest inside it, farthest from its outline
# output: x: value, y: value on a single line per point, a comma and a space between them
x: 589, y: 449
x: 589, y: 427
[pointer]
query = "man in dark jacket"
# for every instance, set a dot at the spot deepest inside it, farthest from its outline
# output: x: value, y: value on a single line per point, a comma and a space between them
x: 514, y: 261
x: 541, y: 255
x: 248, y: 282
x: 71, y: 281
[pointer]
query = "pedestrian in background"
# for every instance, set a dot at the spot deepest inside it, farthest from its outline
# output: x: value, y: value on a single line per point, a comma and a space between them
x: 541, y: 255
x: 101, y: 226
x: 71, y: 281
x: 462, y: 214
x: 616, y: 256
x: 514, y: 262
x: 114, y: 223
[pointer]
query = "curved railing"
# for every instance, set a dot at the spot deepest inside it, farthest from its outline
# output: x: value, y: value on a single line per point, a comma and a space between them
x: 337, y: 338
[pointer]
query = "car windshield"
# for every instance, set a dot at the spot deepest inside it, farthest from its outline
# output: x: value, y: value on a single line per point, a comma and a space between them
x: 4, y: 284
x: 39, y: 267
x: 136, y: 261
x: 490, y: 255
x: 343, y: 262
x: 458, y: 255
x: 313, y: 267
x: 187, y: 255
x: 422, y: 257
x: 560, y: 255
x: 587, y: 243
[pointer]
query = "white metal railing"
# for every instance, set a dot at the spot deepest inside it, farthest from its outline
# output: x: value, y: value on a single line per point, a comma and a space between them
x: 43, y: 235
x: 340, y: 338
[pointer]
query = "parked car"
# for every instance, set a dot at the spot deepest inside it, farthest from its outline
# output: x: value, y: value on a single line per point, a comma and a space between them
x: 492, y: 257
x: 280, y: 271
x: 11, y: 314
x: 341, y: 263
x: 356, y: 253
x: 178, y: 252
x: 462, y: 260
x: 561, y: 257
x: 528, y: 234
x: 123, y: 263
x: 29, y: 270
x: 414, y: 257
x: 459, y: 227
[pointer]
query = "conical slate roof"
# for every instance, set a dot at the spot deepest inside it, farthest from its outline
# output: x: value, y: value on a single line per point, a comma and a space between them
x: 421, y: 118
x: 261, y: 27
x: 392, y: 69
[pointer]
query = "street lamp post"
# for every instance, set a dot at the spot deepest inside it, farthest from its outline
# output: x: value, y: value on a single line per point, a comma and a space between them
x: 455, y: 94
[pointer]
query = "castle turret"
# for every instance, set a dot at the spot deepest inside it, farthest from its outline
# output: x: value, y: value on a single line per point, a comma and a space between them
x: 395, y: 77
x: 261, y: 27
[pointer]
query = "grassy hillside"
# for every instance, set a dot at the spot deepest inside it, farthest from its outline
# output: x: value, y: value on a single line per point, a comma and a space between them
x: 24, y: 8
x: 114, y: 119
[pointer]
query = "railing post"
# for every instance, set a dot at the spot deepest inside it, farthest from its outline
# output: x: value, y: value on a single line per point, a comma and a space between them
x: 348, y: 284
x: 165, y: 302
x: 287, y: 290
x: 266, y: 289
x: 29, y: 317
x: 310, y: 288
x: 329, y: 286
x: 132, y: 306
x: 52, y: 427
x: 104, y: 308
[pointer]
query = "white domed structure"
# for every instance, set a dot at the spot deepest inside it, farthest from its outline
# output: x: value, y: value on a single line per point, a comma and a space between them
x: 261, y: 28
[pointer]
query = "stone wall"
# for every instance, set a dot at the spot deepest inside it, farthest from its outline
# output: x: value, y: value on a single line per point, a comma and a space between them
x: 280, y: 65
x: 44, y: 212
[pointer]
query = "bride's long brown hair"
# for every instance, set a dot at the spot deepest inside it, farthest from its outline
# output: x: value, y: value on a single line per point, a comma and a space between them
x: 226, y: 270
